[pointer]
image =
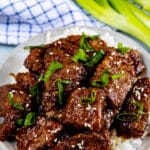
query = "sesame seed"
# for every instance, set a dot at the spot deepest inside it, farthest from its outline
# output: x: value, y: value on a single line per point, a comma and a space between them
x: 67, y: 70
x: 51, y: 53
x: 77, y: 83
x: 77, y: 68
x: 87, y: 125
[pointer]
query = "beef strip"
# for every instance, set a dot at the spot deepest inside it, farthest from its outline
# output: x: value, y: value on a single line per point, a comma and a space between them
x: 73, y: 72
x: 86, y: 141
x: 39, y: 136
x: 138, y: 61
x: 12, y: 114
x: 85, y: 115
x: 53, y: 54
x: 116, y: 89
x: 34, y: 61
x: 26, y: 81
x: 140, y: 95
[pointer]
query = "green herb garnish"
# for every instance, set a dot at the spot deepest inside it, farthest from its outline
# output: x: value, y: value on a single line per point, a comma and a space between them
x: 80, y: 55
x: 117, y: 76
x: 35, y: 46
x: 84, y: 42
x: 14, y: 103
x: 105, y: 78
x: 61, y: 89
x: 89, y: 100
x: 126, y: 117
x: 35, y: 92
x: 54, y: 66
x: 95, y: 58
x: 122, y: 49
x: 30, y: 119
x: 131, y: 116
x: 20, y: 122
x: 103, y: 81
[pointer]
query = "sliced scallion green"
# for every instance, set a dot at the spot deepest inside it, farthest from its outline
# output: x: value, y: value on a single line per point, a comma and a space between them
x: 30, y: 119
x: 122, y: 49
x: 14, y: 103
x: 54, y: 66
x: 80, y: 55
x: 61, y: 89
x: 89, y: 100
x: 96, y: 58
x: 117, y: 76
x: 34, y: 46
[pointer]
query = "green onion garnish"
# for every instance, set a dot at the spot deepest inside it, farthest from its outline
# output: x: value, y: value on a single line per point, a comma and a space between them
x: 89, y: 100
x: 84, y: 42
x: 13, y: 103
x: 122, y: 49
x: 126, y: 117
x: 30, y: 119
x: 105, y: 78
x: 131, y: 116
x: 80, y: 55
x: 35, y: 92
x: 96, y: 58
x: 61, y: 89
x: 117, y: 76
x: 103, y: 81
x: 54, y: 66
x: 35, y: 46
x: 20, y: 122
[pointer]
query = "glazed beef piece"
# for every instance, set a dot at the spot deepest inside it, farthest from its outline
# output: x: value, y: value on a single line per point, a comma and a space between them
x: 73, y: 72
x: 69, y: 45
x: 82, y: 113
x: 86, y: 141
x: 34, y: 61
x: 137, y: 107
x: 120, y: 73
x: 39, y: 136
x: 15, y: 105
x: 55, y: 54
x: 137, y: 61
x: 26, y: 81
x: 4, y: 90
x: 49, y: 105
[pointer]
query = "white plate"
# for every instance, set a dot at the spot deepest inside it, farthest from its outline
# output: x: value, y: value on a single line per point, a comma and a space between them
x: 15, y: 62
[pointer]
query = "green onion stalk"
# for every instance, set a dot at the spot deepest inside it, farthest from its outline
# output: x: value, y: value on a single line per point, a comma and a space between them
x: 120, y: 14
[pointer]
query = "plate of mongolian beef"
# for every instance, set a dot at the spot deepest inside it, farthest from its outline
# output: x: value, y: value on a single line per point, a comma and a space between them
x: 77, y: 88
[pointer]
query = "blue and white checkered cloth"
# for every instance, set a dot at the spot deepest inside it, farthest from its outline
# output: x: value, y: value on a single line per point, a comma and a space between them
x: 22, y: 19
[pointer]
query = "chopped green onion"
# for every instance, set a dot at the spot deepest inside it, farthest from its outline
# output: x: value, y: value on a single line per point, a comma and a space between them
x: 131, y: 116
x: 20, y: 122
x: 61, y: 89
x: 96, y: 58
x: 30, y: 119
x: 89, y: 100
x: 84, y: 41
x: 126, y: 117
x: 13, y: 103
x: 54, y: 66
x: 122, y: 49
x: 35, y: 92
x: 104, y: 80
x: 139, y: 105
x: 35, y: 46
x: 80, y: 55
x: 117, y: 76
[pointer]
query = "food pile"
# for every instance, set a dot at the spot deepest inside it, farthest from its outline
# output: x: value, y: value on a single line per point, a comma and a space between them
x: 76, y: 92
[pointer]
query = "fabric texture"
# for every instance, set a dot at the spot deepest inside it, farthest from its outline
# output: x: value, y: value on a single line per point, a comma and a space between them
x: 22, y: 19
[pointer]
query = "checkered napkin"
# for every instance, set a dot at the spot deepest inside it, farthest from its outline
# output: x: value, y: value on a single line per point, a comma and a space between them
x: 22, y: 19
